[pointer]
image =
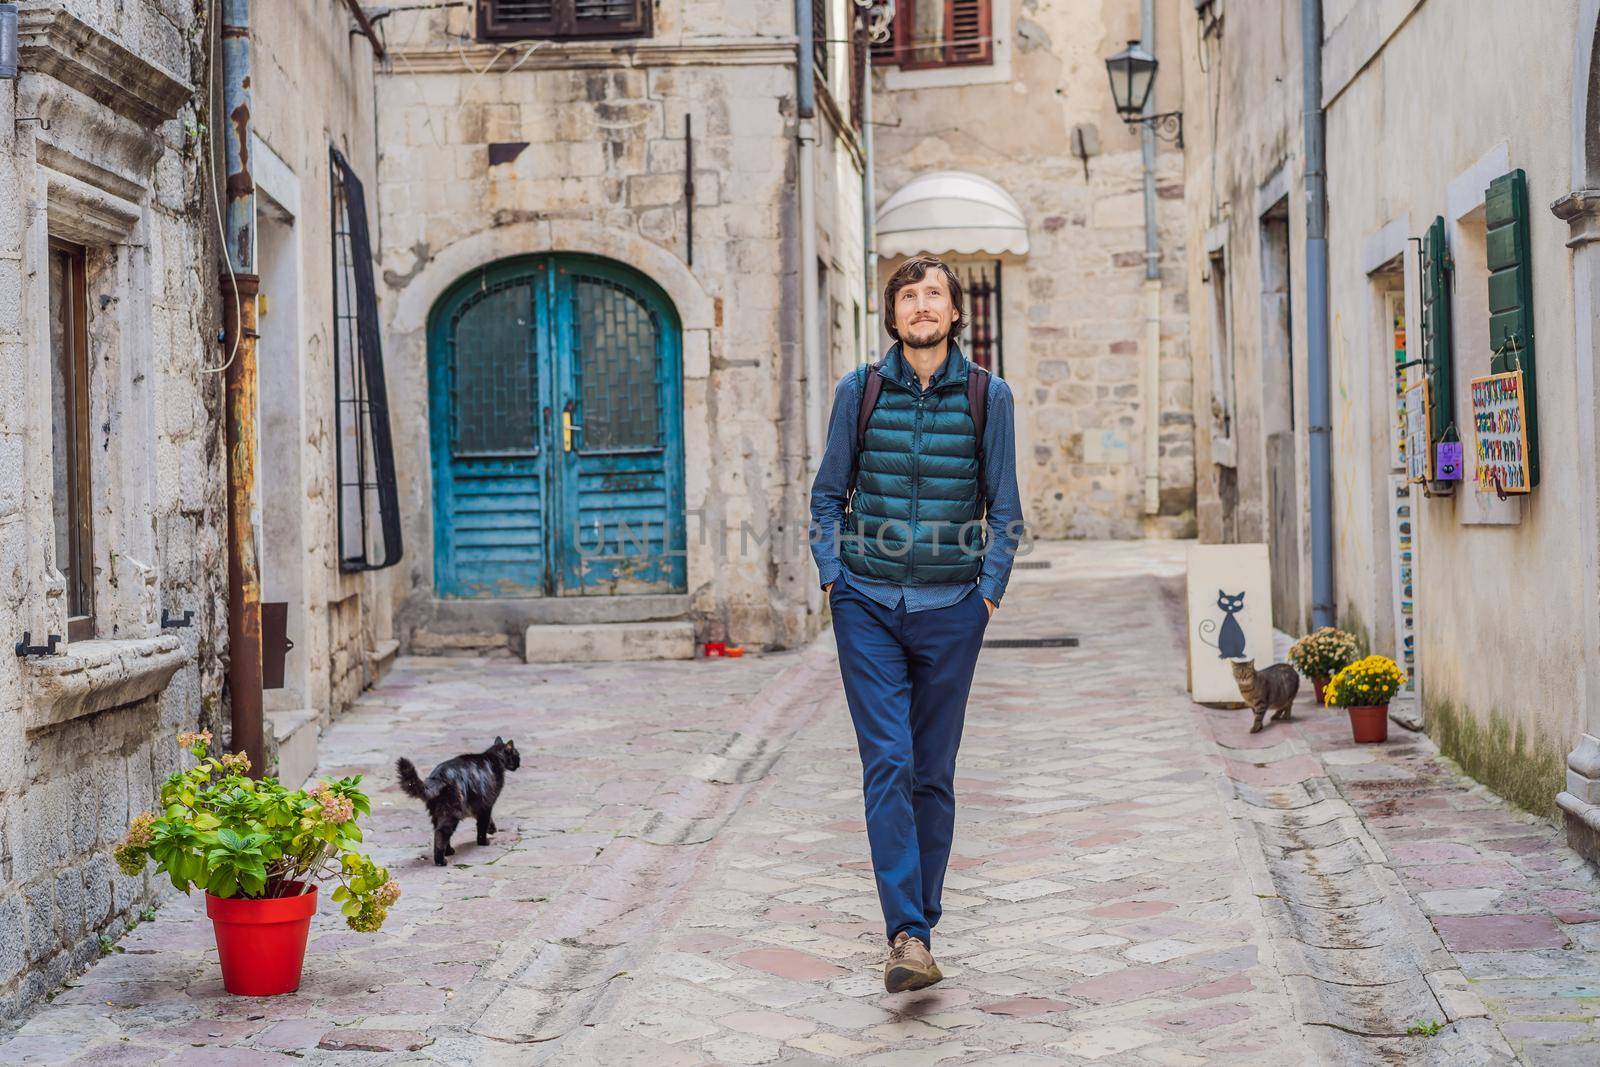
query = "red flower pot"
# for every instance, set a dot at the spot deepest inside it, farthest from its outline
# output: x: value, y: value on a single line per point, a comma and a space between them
x: 262, y: 943
x: 1369, y: 724
x: 1319, y: 683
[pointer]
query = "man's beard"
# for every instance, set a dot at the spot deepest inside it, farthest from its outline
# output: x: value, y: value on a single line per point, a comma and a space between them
x: 938, y: 338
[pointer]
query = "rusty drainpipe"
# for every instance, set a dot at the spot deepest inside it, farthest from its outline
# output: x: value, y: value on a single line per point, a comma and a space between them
x: 240, y: 285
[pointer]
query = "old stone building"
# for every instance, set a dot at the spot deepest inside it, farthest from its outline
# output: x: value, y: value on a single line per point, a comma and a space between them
x: 110, y: 484
x: 1459, y: 243
x: 1002, y: 152
x: 598, y: 243
x: 113, y: 475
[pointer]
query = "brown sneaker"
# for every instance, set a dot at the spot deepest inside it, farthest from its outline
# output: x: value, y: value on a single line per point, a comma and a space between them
x: 910, y: 965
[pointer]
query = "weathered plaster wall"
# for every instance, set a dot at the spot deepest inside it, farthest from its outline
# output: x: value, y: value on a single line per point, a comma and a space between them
x: 1499, y: 614
x: 1242, y: 120
x: 314, y: 86
x: 1073, y: 319
x: 603, y: 173
x: 86, y: 736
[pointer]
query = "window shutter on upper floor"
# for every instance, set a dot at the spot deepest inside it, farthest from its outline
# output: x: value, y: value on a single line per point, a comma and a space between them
x: 964, y: 37
x: 1511, y: 295
x: 1436, y: 270
x: 967, y: 28
x: 563, y: 18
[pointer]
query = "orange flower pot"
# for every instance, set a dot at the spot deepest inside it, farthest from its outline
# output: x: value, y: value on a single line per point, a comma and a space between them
x: 1319, y: 683
x: 1369, y: 725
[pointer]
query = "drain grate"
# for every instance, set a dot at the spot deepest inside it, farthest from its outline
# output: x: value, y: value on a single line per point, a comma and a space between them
x: 1032, y: 642
x: 1030, y: 565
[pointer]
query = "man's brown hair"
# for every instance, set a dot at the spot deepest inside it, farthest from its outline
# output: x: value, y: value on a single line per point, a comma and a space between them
x: 914, y: 270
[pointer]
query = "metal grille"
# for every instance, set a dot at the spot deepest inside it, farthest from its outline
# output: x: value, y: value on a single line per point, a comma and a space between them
x: 858, y: 68
x: 493, y: 379
x: 819, y: 36
x: 369, y: 500
x: 1032, y: 642
x: 616, y: 337
x: 1031, y: 565
x: 980, y: 283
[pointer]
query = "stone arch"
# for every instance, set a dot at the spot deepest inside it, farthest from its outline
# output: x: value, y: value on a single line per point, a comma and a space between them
x: 695, y: 307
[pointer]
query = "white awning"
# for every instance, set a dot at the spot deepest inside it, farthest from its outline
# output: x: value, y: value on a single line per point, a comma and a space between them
x: 951, y: 211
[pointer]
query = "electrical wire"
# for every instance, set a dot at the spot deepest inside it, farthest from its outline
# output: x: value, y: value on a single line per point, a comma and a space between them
x: 216, y: 204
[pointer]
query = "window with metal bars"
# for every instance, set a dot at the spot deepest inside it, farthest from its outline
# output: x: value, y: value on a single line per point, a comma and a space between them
x: 938, y: 33
x: 575, y: 19
x: 368, y: 507
x: 980, y: 287
x: 819, y: 36
x: 858, y: 68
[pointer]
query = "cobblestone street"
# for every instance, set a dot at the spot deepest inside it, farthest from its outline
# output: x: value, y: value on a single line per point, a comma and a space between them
x: 681, y: 877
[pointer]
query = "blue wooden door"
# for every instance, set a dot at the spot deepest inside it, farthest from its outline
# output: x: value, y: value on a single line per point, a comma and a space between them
x: 557, y: 432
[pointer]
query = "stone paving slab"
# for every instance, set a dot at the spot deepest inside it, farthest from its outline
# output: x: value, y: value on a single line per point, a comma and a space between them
x: 682, y: 878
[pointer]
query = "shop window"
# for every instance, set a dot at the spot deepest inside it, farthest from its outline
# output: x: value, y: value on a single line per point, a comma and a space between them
x: 938, y: 33
x: 555, y: 19
x: 69, y: 421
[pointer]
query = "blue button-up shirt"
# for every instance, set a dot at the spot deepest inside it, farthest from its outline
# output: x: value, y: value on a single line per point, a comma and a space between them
x: 831, y: 491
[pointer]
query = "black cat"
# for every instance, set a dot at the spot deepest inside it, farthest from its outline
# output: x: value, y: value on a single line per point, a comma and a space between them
x: 1230, y: 642
x: 468, y: 784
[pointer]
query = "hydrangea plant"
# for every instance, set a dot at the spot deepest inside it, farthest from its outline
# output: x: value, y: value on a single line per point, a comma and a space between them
x: 235, y: 836
x: 1366, y: 683
x: 1324, y: 652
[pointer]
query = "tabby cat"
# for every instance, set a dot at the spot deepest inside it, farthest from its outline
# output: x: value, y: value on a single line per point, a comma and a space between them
x: 1269, y: 689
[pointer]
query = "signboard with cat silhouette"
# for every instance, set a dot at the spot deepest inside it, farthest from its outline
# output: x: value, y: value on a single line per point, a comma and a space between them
x: 1230, y: 617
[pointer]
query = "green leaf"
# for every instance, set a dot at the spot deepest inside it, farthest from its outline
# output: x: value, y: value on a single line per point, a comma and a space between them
x: 351, y: 908
x: 341, y: 893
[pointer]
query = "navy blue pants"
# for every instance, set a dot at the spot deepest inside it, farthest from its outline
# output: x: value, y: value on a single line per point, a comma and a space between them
x: 906, y: 678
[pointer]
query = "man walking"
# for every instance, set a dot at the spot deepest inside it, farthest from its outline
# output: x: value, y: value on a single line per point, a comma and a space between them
x: 915, y: 520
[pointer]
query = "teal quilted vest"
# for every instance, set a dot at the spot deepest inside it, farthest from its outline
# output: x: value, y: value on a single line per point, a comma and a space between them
x: 915, y: 515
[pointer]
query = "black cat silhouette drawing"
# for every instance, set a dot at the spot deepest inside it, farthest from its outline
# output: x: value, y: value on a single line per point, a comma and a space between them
x: 1230, y: 639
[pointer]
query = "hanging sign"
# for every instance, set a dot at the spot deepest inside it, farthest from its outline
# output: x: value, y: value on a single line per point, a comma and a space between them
x: 1500, y: 425
x: 1447, y: 461
x: 1419, y: 454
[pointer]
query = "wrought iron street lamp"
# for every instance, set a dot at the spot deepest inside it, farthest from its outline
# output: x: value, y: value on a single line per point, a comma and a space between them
x: 1133, y: 75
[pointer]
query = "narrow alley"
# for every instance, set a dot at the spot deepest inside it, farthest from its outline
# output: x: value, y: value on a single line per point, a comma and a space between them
x: 681, y: 877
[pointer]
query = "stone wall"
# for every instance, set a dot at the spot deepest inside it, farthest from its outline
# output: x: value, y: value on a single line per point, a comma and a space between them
x: 1073, y: 315
x: 1242, y: 120
x: 313, y: 88
x: 603, y: 173
x: 85, y: 735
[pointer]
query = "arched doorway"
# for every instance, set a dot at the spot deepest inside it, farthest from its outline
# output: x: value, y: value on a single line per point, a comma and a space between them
x: 556, y: 422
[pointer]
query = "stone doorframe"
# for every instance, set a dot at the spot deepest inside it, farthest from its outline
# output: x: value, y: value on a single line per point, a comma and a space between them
x: 1580, y: 209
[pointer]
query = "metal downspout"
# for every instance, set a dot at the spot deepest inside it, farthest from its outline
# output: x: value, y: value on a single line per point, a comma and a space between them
x: 240, y: 285
x: 1152, y: 287
x: 806, y: 134
x: 1317, y: 369
x: 869, y: 215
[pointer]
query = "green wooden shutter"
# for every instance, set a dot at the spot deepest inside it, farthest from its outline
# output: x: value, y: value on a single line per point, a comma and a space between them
x: 1436, y: 271
x: 1511, y: 294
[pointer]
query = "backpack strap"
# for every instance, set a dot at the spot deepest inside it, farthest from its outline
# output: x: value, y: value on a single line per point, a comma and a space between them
x: 870, y: 390
x: 978, y: 408
x: 871, y: 386
x: 978, y: 401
